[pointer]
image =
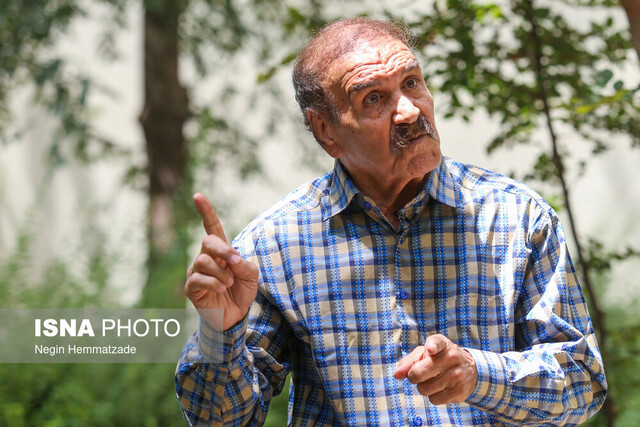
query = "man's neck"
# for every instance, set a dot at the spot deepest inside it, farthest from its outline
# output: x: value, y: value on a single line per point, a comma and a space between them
x: 391, y: 196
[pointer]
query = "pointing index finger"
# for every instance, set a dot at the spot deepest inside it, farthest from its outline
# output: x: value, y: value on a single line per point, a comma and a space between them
x: 210, y: 220
x: 436, y: 344
x: 405, y: 364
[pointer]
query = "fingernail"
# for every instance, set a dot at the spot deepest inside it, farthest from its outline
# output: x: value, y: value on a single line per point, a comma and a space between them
x: 235, y: 259
x: 230, y: 281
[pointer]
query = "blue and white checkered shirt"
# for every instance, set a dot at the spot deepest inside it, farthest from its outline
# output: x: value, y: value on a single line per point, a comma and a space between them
x: 343, y: 297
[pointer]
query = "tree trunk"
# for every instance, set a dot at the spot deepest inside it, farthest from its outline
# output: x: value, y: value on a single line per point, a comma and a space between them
x: 597, y: 313
x: 163, y: 116
x: 632, y: 8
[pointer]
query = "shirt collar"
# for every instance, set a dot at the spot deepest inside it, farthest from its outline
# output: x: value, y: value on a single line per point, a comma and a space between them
x: 341, y: 192
x: 443, y: 186
x: 439, y: 186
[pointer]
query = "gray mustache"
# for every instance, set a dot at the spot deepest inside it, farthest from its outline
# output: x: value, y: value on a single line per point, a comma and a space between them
x: 402, y: 134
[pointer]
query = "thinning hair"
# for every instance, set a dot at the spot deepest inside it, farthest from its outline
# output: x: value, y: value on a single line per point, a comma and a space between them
x: 331, y: 43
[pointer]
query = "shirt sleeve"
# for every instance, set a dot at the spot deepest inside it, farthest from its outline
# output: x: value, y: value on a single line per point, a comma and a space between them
x: 556, y: 375
x: 222, y: 380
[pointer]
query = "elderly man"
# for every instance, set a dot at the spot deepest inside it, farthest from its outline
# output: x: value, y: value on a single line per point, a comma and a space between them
x: 401, y: 288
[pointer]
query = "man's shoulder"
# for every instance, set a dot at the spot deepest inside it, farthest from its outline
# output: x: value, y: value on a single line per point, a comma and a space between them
x: 478, y: 183
x: 305, y: 198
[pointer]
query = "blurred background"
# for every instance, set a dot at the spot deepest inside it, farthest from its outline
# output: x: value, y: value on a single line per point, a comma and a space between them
x: 113, y: 112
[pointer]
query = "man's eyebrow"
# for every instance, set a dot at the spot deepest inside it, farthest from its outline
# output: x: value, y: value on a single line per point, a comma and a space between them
x: 358, y: 87
x: 412, y: 65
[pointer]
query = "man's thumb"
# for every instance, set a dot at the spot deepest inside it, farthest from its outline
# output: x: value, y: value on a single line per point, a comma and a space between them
x: 242, y: 268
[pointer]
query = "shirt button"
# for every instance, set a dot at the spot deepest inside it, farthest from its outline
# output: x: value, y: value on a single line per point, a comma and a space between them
x: 367, y: 205
x: 404, y: 295
x: 417, y: 421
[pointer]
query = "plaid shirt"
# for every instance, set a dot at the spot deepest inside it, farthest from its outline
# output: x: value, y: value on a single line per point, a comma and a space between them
x: 342, y: 297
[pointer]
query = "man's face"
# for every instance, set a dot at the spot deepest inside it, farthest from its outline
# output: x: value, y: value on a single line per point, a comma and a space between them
x: 385, y: 126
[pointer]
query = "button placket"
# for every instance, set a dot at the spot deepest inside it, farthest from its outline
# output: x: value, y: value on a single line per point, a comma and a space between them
x: 400, y: 240
x: 402, y: 295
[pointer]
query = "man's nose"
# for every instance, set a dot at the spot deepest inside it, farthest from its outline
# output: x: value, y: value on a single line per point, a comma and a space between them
x: 406, y: 111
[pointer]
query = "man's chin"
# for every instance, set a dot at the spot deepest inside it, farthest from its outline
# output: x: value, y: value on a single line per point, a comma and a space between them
x: 424, y: 163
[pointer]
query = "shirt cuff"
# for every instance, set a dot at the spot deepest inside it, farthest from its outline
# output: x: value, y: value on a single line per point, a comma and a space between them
x: 222, y: 347
x: 493, y: 387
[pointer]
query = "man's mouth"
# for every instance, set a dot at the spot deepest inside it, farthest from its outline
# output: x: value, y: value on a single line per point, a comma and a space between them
x: 403, y: 136
x: 416, y: 139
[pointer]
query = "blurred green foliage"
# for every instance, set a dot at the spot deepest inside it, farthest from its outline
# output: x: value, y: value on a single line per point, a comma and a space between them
x: 64, y: 395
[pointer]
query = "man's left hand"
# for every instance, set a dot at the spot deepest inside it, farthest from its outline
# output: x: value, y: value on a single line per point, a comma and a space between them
x: 444, y: 372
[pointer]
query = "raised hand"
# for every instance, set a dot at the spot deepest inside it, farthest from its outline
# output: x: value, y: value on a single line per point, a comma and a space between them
x: 219, y: 278
x: 444, y: 372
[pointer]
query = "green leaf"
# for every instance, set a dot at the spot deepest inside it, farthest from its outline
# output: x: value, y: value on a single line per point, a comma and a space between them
x: 296, y: 16
x: 263, y: 77
x: 603, y: 77
x: 586, y: 109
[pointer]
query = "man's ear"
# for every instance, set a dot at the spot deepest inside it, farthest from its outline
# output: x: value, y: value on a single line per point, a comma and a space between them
x: 323, y: 131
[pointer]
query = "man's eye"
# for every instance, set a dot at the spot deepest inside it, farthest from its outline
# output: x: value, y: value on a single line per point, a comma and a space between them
x: 372, y: 98
x: 411, y: 83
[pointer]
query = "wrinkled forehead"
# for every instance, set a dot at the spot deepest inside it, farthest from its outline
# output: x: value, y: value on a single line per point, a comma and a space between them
x: 368, y: 61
